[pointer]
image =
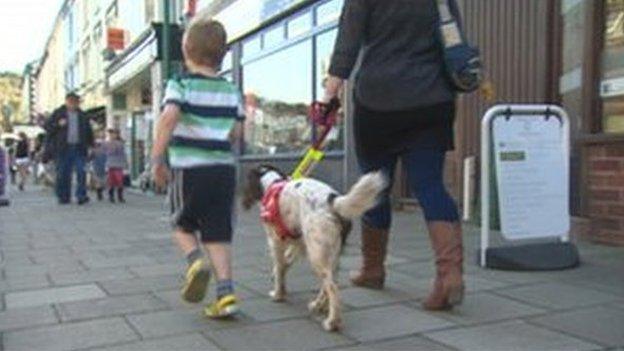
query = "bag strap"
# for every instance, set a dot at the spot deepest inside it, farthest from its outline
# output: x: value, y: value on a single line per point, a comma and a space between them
x: 450, y: 32
x: 444, y: 11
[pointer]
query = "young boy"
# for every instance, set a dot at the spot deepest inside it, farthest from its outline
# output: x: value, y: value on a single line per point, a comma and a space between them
x: 202, y: 116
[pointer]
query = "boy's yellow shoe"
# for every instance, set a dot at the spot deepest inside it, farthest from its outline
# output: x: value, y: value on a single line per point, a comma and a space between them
x: 224, y: 307
x: 196, y: 281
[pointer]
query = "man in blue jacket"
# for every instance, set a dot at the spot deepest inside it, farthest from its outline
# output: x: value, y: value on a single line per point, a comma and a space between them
x: 70, y: 136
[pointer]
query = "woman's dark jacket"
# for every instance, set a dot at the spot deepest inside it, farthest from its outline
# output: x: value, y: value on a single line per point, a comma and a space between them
x: 402, y: 66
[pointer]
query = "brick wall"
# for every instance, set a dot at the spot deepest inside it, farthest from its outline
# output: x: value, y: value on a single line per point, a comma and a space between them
x: 606, y: 193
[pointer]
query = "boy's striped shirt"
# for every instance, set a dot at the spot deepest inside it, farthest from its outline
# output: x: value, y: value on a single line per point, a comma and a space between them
x: 210, y: 108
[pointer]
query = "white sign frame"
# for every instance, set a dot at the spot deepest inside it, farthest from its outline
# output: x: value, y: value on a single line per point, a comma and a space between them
x: 539, y: 111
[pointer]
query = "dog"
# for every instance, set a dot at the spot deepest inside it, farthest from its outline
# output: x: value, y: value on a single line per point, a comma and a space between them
x: 313, y: 219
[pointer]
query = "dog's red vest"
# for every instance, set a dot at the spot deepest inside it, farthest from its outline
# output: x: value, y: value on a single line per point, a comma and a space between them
x: 270, y: 210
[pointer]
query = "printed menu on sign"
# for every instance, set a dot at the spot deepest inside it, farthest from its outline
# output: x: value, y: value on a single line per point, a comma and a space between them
x: 532, y: 177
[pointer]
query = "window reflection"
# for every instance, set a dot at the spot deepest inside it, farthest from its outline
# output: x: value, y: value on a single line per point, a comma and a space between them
x: 324, y: 49
x: 278, y: 90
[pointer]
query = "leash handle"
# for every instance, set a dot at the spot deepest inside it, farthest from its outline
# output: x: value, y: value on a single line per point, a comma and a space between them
x: 324, y: 115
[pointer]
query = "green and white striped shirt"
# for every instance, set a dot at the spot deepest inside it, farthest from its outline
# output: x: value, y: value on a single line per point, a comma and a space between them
x: 210, y: 108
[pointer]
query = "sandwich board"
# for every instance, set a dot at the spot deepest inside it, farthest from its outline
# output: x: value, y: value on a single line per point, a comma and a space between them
x: 529, y: 148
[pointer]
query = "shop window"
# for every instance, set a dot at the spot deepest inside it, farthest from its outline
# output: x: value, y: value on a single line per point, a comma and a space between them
x: 227, y: 63
x: 252, y: 46
x: 328, y: 12
x: 274, y: 37
x: 324, y: 49
x: 277, y: 103
x: 612, y: 89
x: 300, y: 25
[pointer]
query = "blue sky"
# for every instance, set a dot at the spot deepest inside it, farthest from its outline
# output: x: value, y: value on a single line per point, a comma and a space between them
x: 24, y: 29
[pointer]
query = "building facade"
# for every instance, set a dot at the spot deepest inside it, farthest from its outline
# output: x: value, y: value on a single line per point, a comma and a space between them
x: 592, y: 90
x: 50, y: 87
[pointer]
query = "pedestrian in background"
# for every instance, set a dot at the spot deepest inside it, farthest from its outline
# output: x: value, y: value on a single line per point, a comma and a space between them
x: 71, y: 137
x: 404, y: 108
x: 36, y: 156
x: 22, y: 159
x: 98, y: 166
x: 116, y: 163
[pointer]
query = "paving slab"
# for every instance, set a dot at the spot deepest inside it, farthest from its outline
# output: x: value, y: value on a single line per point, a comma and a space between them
x: 390, y: 322
x: 108, y: 307
x: 360, y: 297
x: 173, y: 300
x: 485, y: 307
x: 156, y: 270
x: 53, y: 295
x: 141, y: 285
x: 136, y: 260
x: 558, y: 295
x: 300, y: 334
x: 411, y: 343
x: 187, y: 342
x: 603, y: 325
x: 509, y: 336
x: 73, y: 336
x: 264, y: 310
x: 90, y: 276
x: 159, y: 324
x: 26, y: 317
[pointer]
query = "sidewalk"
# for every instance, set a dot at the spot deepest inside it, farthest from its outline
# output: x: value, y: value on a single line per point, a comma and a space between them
x: 104, y: 277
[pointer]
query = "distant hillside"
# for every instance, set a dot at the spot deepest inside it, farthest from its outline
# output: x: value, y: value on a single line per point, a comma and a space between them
x: 10, y: 95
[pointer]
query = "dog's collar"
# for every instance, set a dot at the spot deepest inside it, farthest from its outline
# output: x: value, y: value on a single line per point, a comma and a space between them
x: 270, y: 178
x: 270, y: 211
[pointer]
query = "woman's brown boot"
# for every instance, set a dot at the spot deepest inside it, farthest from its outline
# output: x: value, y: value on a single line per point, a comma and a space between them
x: 448, y: 285
x: 372, y: 274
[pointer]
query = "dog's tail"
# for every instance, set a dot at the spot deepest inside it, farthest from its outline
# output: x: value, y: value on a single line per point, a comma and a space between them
x: 361, y: 197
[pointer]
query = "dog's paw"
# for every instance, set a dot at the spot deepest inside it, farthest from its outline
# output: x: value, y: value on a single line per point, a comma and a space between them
x: 277, y: 295
x: 314, y: 306
x: 332, y: 325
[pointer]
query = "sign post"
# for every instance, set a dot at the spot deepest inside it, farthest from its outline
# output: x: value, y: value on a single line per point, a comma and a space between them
x: 531, y: 149
x: 4, y: 172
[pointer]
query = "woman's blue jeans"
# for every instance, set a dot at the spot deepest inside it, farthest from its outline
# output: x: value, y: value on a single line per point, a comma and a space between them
x: 424, y: 169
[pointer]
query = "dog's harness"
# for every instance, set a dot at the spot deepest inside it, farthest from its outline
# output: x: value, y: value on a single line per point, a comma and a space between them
x: 270, y: 210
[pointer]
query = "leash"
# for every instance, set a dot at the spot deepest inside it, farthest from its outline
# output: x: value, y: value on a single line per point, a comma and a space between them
x: 324, y: 116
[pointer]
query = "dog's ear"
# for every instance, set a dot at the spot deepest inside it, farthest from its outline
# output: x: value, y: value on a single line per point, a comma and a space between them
x: 253, y: 189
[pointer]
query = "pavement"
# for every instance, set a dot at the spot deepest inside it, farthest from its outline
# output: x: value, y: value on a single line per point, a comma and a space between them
x: 106, y: 277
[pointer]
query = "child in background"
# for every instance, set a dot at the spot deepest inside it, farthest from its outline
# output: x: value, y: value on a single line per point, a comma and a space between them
x: 116, y: 162
x: 202, y: 116
x: 98, y: 165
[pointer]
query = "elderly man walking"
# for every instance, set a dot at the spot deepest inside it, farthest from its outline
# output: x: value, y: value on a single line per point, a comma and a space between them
x: 71, y: 137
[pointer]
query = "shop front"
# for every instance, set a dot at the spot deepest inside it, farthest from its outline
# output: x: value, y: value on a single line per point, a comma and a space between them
x: 134, y: 87
x: 601, y: 107
x: 279, y: 56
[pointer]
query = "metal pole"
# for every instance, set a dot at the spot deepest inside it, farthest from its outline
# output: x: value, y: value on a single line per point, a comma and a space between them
x: 166, y: 40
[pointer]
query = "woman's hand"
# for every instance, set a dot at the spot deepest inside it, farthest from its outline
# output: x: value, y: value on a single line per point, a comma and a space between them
x: 333, y: 88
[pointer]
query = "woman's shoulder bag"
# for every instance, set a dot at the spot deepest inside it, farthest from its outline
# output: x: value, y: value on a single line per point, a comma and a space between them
x: 462, y: 60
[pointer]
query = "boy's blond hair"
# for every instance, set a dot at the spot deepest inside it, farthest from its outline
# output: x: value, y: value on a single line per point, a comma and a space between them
x: 205, y: 42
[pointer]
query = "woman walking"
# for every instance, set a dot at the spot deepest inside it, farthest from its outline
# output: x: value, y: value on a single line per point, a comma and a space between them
x: 404, y: 109
x: 22, y: 159
x: 116, y: 162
